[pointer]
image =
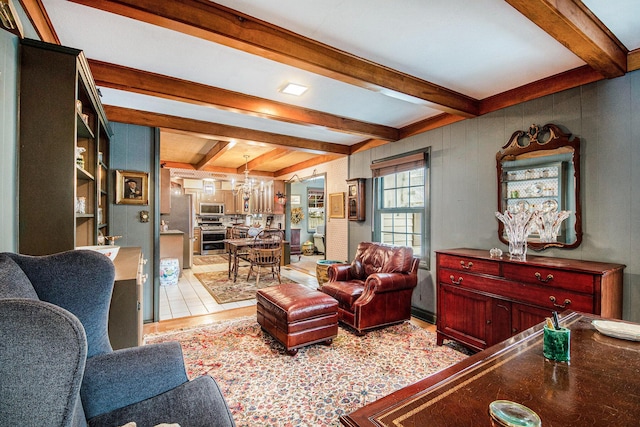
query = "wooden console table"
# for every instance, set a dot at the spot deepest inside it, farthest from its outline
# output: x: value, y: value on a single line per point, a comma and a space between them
x: 599, y: 387
x: 125, y: 312
x: 483, y: 300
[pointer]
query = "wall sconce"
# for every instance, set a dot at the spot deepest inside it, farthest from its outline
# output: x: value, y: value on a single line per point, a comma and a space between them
x: 282, y: 198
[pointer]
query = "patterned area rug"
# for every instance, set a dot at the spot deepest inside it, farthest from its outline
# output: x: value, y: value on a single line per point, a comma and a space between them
x: 264, y: 386
x: 224, y: 290
x: 210, y: 259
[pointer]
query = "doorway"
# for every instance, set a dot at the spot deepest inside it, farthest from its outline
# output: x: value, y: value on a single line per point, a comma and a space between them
x: 307, y: 203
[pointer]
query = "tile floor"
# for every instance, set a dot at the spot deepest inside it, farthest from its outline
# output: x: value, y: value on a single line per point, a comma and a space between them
x: 190, y: 298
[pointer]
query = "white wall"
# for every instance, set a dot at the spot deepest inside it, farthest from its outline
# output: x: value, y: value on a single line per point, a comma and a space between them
x: 604, y: 115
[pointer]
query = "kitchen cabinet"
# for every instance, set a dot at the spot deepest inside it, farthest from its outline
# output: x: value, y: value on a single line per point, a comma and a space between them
x: 229, y: 201
x: 484, y: 300
x: 241, y: 206
x: 196, y: 240
x: 165, y: 191
x: 172, y: 246
x: 63, y: 196
x: 278, y: 187
x: 125, y: 312
x: 262, y: 200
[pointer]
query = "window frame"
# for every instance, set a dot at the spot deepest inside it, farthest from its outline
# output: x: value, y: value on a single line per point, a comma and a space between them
x: 392, y: 166
x: 316, y: 194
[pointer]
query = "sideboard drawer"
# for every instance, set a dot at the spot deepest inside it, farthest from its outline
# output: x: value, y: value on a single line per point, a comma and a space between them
x: 471, y: 265
x: 537, y: 275
x: 552, y: 298
x: 464, y: 279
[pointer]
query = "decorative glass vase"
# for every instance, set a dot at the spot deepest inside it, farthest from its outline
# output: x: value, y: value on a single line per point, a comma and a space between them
x: 517, y: 226
x: 518, y: 249
x: 548, y: 224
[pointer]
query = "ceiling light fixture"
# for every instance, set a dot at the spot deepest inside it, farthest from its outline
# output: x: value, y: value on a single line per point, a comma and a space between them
x: 245, y: 187
x: 294, y: 89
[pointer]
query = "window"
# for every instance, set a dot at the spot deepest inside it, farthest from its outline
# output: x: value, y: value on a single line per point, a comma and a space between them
x: 401, y: 205
x: 315, y: 208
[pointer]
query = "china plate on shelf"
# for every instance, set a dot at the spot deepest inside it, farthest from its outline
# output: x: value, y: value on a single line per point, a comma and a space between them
x: 535, y: 190
x: 625, y: 331
x: 550, y: 205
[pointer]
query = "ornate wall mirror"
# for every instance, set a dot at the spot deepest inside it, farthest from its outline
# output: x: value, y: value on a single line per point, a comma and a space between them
x: 540, y: 170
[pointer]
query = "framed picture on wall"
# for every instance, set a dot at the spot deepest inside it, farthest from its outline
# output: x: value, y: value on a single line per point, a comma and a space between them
x: 295, y: 199
x: 132, y: 188
x: 336, y: 205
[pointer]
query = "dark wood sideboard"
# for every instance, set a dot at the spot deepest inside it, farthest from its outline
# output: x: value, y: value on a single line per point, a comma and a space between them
x: 599, y: 387
x: 483, y: 300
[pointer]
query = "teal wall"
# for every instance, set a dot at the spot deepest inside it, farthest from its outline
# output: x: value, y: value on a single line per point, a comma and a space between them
x: 604, y: 115
x: 133, y: 148
x: 8, y: 141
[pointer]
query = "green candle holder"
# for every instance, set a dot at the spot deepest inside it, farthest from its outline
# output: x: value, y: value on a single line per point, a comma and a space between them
x: 556, y: 344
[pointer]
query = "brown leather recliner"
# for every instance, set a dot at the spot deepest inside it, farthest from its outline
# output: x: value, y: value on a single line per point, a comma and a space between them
x: 375, y: 289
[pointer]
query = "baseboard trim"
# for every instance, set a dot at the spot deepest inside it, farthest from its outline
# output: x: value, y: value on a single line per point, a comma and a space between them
x: 423, y: 315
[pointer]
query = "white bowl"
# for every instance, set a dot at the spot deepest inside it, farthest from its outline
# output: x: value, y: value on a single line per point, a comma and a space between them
x: 110, y: 251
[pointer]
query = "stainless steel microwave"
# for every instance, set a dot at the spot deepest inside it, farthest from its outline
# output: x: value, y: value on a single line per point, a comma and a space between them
x: 211, y: 208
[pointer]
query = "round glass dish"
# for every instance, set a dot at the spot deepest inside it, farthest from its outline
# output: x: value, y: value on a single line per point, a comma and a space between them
x: 505, y: 413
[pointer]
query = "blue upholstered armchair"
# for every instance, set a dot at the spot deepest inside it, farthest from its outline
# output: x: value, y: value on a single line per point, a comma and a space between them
x: 57, y: 366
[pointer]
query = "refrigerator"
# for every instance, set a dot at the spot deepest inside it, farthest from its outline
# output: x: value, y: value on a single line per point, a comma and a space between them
x: 182, y: 217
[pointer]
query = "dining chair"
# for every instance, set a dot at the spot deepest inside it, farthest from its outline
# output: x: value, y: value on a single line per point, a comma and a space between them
x: 240, y: 232
x: 266, y: 251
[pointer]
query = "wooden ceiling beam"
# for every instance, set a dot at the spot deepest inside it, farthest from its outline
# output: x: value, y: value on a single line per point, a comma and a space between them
x: 216, y: 23
x: 266, y: 158
x: 554, y: 84
x: 214, y: 169
x: 216, y: 151
x: 306, y: 164
x: 215, y: 130
x: 428, y: 124
x: 633, y: 60
x: 577, y: 28
x: 146, y: 83
x: 550, y: 85
x: 39, y: 18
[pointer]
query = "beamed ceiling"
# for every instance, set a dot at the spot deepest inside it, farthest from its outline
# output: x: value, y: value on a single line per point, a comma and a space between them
x: 208, y: 74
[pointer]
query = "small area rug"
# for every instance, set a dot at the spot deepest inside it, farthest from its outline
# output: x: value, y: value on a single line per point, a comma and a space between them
x: 224, y: 290
x: 264, y: 386
x: 210, y: 259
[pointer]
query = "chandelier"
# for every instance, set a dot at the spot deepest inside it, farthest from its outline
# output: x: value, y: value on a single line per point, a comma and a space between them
x: 246, y: 186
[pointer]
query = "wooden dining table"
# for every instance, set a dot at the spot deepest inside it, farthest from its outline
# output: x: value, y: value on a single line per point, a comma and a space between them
x: 233, y: 247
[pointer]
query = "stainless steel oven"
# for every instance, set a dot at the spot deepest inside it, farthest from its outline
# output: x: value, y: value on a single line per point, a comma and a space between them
x: 211, y: 240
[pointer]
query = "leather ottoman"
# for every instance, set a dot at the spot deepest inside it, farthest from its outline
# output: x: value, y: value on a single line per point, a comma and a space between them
x: 297, y: 316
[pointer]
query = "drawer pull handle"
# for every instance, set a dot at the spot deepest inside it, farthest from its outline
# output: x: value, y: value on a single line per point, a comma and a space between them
x: 548, y: 279
x: 453, y: 280
x: 553, y: 300
x: 466, y: 267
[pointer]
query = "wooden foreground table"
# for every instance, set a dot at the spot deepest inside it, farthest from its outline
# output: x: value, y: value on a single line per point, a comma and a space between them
x: 599, y: 387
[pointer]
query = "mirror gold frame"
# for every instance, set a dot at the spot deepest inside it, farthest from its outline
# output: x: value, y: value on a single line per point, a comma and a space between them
x: 525, y: 165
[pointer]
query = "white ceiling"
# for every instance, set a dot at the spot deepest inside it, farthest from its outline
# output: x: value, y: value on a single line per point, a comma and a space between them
x: 478, y: 48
